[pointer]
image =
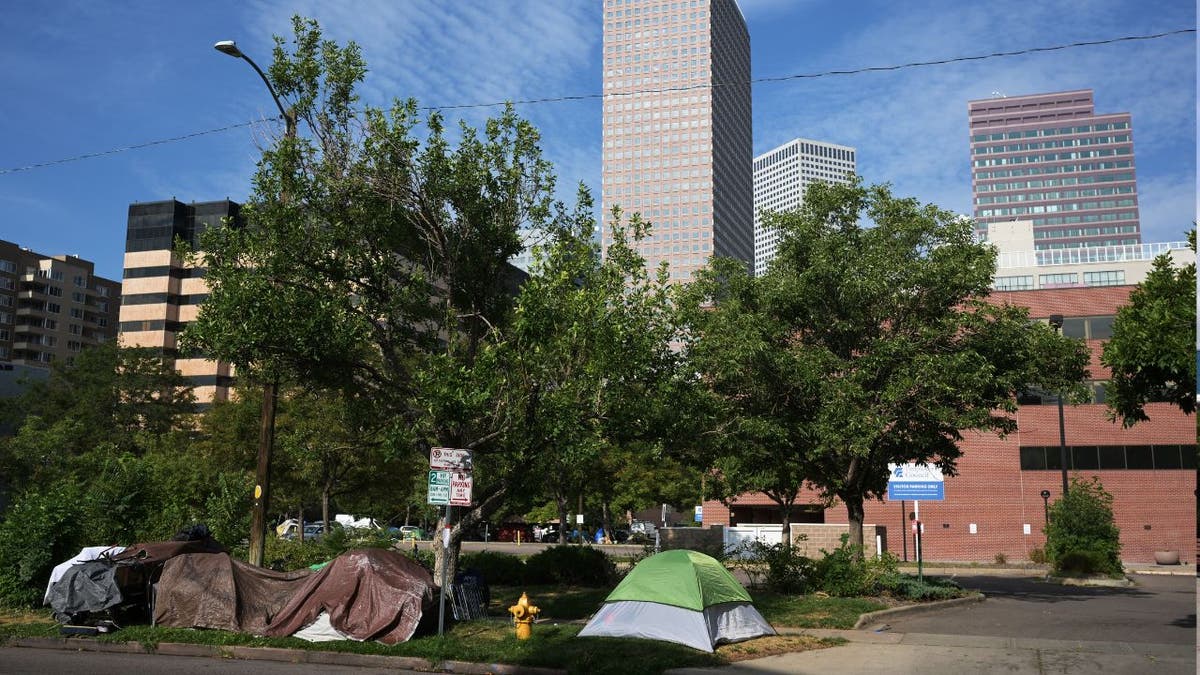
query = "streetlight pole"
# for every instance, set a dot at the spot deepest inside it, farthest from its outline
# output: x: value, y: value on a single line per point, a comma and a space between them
x: 1056, y: 320
x: 1046, y: 505
x: 266, y: 433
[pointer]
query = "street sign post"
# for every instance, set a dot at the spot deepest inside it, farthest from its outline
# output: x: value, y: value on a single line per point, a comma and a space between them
x: 450, y: 459
x: 460, y: 488
x: 916, y: 482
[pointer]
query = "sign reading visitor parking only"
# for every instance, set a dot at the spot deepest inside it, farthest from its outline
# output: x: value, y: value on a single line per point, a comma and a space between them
x: 918, y: 482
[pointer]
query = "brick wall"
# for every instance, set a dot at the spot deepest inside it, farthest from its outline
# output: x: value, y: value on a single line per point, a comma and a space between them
x: 710, y: 540
x: 828, y: 537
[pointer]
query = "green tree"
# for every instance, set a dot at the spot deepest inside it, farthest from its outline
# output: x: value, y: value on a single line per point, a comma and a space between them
x: 764, y: 394
x: 1081, y: 534
x: 1151, y: 349
x: 892, y: 341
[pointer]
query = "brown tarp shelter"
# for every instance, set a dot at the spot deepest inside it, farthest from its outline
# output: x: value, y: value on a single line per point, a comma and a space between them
x: 369, y: 594
x: 212, y: 590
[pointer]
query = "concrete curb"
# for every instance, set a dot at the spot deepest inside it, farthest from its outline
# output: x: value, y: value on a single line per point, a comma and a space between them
x: 1103, y: 582
x: 907, y: 610
x: 280, y: 655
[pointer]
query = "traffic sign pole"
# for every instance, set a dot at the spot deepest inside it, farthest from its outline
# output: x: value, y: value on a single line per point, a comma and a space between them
x: 917, y: 512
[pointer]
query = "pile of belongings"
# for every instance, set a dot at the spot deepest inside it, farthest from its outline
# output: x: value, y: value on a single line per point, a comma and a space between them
x: 679, y: 596
x: 367, y: 594
x: 114, y: 584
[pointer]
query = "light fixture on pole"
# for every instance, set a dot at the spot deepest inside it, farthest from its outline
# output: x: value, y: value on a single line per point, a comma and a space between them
x: 1046, y: 504
x: 1056, y: 320
x: 266, y: 436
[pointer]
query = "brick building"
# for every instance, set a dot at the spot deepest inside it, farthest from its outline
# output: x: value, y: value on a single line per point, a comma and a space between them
x: 1150, y: 469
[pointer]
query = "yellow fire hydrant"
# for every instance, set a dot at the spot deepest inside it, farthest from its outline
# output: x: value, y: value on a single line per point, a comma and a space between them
x: 523, y: 615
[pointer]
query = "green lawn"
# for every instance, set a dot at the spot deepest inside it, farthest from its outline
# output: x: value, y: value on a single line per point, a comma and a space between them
x: 554, y: 643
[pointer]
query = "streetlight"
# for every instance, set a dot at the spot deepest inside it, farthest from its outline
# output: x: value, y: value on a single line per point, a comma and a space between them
x: 1056, y: 320
x: 266, y: 435
x: 1046, y: 504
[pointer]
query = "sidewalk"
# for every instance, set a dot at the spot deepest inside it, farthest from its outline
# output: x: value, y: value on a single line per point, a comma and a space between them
x: 966, y: 570
x: 928, y: 654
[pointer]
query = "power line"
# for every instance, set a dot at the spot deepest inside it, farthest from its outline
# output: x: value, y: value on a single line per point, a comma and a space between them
x: 585, y: 97
x: 139, y: 146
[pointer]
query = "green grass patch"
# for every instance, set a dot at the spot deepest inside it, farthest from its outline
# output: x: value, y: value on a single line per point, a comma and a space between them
x: 556, y: 602
x: 812, y: 611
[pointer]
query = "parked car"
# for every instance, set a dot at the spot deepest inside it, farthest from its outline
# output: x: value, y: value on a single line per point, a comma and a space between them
x: 408, y: 532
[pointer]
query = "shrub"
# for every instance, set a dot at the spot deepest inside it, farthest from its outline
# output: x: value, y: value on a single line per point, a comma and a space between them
x: 1081, y: 537
x: 780, y: 568
x: 846, y: 572
x: 570, y: 566
x: 40, y: 530
x: 497, y: 568
x: 1001, y: 559
x: 910, y: 588
x: 1037, y: 556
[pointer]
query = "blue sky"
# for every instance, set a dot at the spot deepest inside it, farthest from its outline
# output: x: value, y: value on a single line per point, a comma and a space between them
x: 83, y: 77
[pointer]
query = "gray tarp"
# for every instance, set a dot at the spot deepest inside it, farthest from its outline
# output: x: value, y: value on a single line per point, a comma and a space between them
x: 87, y: 587
x: 725, y: 622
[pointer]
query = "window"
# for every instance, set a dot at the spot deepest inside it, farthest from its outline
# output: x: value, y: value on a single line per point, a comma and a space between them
x: 73, y: 329
x: 6, y: 283
x: 1110, y: 457
x: 76, y: 313
x: 76, y: 296
x: 55, y: 291
x: 1107, y: 278
x: 5, y: 317
x: 1064, y: 279
x: 79, y: 281
x: 53, y: 308
x: 8, y: 266
x: 1013, y: 283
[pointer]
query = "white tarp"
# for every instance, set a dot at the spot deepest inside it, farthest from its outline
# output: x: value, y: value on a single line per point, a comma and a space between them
x: 347, y: 520
x: 727, y: 622
x: 322, y: 631
x: 88, y: 553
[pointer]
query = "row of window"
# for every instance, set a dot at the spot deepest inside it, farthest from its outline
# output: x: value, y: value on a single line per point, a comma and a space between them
x: 1024, y: 282
x: 1109, y: 457
x: 1054, y: 246
x: 1084, y: 231
x: 1044, y: 170
x: 1052, y: 157
x: 1054, y: 182
x: 1070, y: 143
x: 1089, y: 218
x: 1034, y: 133
x: 1055, y: 208
x: 1062, y: 194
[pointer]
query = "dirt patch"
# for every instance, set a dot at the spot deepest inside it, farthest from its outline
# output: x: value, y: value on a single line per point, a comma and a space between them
x: 772, y: 646
x: 11, y: 616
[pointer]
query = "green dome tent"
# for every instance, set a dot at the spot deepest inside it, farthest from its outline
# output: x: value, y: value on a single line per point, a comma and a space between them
x: 679, y: 596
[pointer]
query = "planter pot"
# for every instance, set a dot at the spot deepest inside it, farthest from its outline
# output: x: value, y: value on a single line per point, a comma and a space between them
x: 1166, y: 557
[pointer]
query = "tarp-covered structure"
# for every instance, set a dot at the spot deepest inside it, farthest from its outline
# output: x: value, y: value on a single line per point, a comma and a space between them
x: 679, y: 596
x: 213, y: 590
x: 368, y: 594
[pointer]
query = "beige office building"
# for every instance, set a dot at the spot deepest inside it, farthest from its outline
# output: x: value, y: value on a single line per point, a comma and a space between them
x: 162, y: 294
x: 677, y: 144
x: 52, y: 307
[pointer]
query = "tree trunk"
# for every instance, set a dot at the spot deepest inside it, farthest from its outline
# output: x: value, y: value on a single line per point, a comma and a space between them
x: 300, y: 534
x: 854, y: 509
x: 561, y: 500
x: 606, y: 522
x: 785, y: 513
x: 466, y: 519
x: 325, y: 506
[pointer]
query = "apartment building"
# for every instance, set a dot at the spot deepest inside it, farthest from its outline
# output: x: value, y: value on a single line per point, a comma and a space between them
x: 52, y: 307
x: 1053, y: 160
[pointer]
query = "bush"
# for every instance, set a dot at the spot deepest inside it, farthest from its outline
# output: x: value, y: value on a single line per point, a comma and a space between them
x: 910, y: 588
x: 497, y: 568
x: 780, y: 568
x: 846, y: 572
x: 1037, y: 556
x: 40, y: 530
x: 1081, y: 536
x: 570, y: 566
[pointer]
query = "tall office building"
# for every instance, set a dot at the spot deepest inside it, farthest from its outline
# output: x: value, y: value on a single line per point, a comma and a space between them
x: 780, y: 179
x: 1051, y: 159
x: 52, y: 307
x: 676, y: 128
x: 162, y: 294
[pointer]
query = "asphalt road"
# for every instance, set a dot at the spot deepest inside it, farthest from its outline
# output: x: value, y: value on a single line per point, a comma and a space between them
x: 1159, y: 609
